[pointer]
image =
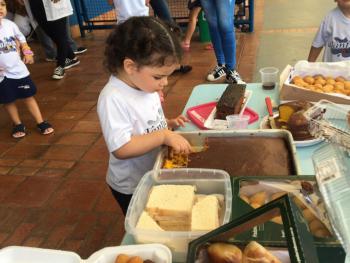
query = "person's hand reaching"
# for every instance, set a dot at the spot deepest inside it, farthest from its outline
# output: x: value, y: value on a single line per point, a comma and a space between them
x: 177, y: 122
x: 177, y: 142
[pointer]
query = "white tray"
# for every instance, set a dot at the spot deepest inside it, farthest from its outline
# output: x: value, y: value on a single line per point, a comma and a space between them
x: 16, y: 254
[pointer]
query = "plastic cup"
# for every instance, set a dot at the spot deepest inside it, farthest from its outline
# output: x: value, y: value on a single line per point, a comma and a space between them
x: 269, y: 77
x: 237, y: 122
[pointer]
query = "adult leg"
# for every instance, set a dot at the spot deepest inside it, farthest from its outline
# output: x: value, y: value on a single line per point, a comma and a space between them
x: 71, y: 41
x: 161, y: 10
x: 209, y: 8
x: 47, y: 43
x: 225, y: 12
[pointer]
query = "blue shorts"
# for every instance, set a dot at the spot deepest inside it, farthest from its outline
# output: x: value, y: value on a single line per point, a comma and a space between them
x: 13, y: 89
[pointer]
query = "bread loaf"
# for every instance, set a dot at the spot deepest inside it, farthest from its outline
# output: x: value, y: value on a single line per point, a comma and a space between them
x: 224, y: 253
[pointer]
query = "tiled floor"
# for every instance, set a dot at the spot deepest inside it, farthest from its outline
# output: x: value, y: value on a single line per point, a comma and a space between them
x: 52, y: 188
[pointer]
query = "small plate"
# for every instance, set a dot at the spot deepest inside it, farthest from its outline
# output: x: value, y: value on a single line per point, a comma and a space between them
x: 264, y: 124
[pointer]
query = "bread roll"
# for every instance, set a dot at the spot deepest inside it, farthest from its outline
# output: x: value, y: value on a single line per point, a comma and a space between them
x: 245, y: 198
x: 308, y: 215
x: 339, y: 79
x: 314, y: 225
x: 255, y: 205
x: 322, y: 233
x: 277, y: 220
x: 122, y: 258
x: 259, y: 198
x: 135, y: 259
x: 277, y: 195
x: 224, y: 253
x: 254, y: 252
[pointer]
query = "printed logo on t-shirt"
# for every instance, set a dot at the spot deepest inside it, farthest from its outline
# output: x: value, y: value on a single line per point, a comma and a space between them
x: 8, y: 44
x: 23, y: 87
x: 340, y: 47
x: 158, y: 124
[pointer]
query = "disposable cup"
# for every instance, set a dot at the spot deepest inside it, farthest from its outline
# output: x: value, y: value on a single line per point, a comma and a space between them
x: 237, y: 122
x: 269, y: 76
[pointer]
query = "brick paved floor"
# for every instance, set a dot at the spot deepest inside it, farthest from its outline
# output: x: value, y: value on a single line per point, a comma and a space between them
x: 52, y: 188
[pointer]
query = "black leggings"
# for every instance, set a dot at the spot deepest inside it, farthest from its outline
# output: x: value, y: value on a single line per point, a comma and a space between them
x: 122, y: 199
x: 56, y: 30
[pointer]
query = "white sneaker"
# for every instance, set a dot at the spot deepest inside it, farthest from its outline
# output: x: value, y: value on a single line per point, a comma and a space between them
x: 232, y: 76
x: 217, y: 73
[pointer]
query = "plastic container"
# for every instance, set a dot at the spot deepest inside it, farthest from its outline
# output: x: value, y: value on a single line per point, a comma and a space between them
x: 237, y: 122
x: 207, y: 181
x: 269, y: 77
x: 16, y: 254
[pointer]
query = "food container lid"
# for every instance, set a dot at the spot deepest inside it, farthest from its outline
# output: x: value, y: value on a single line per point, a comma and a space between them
x: 331, y: 122
x: 298, y: 239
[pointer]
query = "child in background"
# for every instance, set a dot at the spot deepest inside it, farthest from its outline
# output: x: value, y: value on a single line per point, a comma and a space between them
x: 15, y: 80
x: 195, y: 8
x: 127, y: 8
x: 140, y: 55
x: 334, y: 35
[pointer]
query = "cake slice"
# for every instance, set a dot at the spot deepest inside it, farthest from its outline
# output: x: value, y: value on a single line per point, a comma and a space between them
x: 205, y: 214
x: 230, y: 101
x: 168, y: 200
x: 147, y: 222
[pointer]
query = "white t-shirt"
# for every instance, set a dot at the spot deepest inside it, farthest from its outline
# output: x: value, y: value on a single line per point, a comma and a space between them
x: 10, y: 61
x: 128, y: 8
x: 334, y: 35
x: 123, y: 112
x: 57, y: 10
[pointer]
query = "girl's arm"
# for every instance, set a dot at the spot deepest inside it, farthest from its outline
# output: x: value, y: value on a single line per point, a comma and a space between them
x: 141, y: 144
x: 26, y: 51
x: 314, y: 53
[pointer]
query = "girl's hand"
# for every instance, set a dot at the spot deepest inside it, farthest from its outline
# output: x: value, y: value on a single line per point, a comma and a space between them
x: 178, y: 121
x: 177, y: 142
x: 28, y: 59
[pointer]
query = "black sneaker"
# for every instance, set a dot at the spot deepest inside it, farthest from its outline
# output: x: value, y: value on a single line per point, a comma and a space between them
x: 71, y: 62
x: 80, y: 50
x: 232, y: 76
x: 217, y: 73
x: 183, y: 69
x: 58, y: 73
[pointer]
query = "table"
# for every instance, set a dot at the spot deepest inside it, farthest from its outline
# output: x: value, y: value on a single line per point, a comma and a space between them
x: 210, y: 92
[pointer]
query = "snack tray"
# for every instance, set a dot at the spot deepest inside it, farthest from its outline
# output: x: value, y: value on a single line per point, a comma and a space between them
x: 198, y: 138
x: 17, y: 254
x: 200, y: 113
x: 330, y: 121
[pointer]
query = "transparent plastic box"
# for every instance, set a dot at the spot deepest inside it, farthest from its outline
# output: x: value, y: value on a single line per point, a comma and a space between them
x: 16, y: 254
x: 207, y: 181
x: 331, y: 122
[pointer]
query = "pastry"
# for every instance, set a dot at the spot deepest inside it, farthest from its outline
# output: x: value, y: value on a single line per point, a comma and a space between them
x: 224, y: 253
x: 258, y: 198
x: 122, y: 258
x: 254, y: 252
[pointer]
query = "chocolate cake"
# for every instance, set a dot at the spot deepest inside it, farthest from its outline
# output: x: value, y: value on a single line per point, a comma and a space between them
x: 246, y: 156
x: 291, y: 117
x: 230, y: 101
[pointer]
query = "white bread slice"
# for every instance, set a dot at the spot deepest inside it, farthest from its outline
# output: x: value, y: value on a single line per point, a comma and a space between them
x: 220, y: 198
x: 147, y: 222
x: 205, y: 214
x: 170, y: 200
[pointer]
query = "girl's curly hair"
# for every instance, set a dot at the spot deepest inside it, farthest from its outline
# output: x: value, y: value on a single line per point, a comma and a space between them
x: 145, y: 40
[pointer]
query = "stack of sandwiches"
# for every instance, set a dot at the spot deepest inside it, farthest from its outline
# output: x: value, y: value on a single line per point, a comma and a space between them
x: 178, y: 208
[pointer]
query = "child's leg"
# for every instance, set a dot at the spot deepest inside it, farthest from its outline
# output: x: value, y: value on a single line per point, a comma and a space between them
x: 122, y: 199
x: 19, y: 129
x: 33, y: 108
x: 191, y: 27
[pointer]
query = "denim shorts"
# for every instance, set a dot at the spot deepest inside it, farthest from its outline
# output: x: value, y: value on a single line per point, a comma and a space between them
x: 13, y: 89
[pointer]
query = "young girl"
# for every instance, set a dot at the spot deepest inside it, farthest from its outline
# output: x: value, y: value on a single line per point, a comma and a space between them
x: 140, y: 55
x: 15, y: 80
x: 334, y: 35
